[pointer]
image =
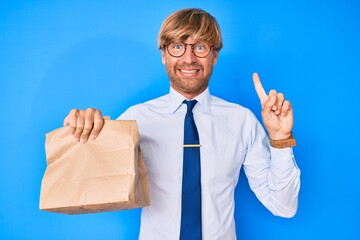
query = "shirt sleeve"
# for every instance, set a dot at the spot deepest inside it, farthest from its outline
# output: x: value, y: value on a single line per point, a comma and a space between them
x: 272, y: 174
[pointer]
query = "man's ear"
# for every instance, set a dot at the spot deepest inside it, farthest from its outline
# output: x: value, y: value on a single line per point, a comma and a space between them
x: 163, y: 57
x: 216, y: 54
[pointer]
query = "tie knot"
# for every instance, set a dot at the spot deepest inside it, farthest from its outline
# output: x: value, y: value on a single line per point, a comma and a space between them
x: 190, y: 105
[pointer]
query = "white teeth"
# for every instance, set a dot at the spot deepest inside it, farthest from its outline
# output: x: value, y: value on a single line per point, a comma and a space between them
x: 188, y: 71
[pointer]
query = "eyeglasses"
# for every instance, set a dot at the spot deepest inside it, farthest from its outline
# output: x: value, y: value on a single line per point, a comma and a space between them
x: 200, y: 49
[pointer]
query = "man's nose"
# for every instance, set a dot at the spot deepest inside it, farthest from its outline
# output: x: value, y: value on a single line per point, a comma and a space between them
x: 189, y: 56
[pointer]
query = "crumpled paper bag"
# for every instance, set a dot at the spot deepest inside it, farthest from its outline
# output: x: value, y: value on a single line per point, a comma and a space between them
x: 105, y: 174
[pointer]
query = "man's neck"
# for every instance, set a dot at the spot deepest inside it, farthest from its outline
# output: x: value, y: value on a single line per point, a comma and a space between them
x: 189, y: 96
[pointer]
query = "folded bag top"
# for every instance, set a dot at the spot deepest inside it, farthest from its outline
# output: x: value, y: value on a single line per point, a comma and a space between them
x: 105, y: 174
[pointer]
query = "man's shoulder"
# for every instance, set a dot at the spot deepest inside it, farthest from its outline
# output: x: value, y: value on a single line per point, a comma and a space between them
x: 217, y: 102
x: 232, y: 112
x: 158, y: 102
x: 145, y: 108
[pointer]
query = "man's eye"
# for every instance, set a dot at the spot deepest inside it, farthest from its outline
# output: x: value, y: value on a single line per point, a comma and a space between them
x: 177, y: 47
x: 200, y: 48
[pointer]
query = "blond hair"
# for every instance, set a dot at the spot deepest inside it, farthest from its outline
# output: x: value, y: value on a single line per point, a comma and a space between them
x: 190, y: 22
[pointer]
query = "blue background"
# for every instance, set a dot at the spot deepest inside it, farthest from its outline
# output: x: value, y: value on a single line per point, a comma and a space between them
x: 58, y: 55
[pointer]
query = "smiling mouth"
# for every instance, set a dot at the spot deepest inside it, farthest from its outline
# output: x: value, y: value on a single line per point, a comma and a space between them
x: 188, y: 72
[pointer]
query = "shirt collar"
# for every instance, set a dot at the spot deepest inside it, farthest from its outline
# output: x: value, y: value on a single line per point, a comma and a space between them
x: 176, y: 99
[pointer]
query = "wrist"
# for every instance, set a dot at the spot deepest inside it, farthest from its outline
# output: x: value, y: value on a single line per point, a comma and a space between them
x: 279, y: 136
x: 283, y: 142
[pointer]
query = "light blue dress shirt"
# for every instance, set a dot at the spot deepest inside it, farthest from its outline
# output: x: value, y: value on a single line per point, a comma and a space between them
x: 231, y: 138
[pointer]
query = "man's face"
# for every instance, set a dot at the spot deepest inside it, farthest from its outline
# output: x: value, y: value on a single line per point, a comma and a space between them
x: 189, y: 75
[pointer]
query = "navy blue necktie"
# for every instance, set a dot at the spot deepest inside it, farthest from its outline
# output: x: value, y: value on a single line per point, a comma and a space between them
x: 191, y: 189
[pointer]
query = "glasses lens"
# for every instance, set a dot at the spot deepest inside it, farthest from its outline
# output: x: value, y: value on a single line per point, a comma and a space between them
x: 201, y: 49
x: 176, y: 49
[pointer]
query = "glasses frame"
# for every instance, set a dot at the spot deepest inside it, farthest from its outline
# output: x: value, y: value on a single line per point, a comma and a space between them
x: 186, y: 45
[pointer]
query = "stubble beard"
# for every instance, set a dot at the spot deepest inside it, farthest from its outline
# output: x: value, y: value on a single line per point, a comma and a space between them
x: 188, y: 85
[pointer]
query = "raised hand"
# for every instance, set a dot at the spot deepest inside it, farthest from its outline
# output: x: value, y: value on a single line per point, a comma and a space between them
x: 85, y: 124
x: 277, y: 113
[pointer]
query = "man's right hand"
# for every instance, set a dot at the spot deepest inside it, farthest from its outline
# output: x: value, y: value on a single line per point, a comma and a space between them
x: 85, y: 124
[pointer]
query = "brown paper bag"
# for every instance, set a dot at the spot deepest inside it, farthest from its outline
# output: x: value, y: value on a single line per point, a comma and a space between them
x: 104, y: 174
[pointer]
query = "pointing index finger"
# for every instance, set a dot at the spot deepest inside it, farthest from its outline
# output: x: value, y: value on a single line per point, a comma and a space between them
x: 259, y: 88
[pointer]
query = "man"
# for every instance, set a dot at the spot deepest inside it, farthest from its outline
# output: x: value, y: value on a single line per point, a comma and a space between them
x: 229, y: 137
